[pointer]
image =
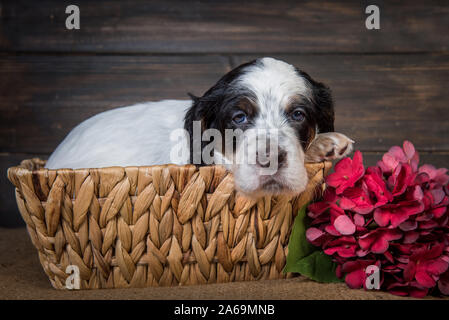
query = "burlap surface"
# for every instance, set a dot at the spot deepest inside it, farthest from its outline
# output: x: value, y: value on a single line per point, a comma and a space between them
x: 22, y: 277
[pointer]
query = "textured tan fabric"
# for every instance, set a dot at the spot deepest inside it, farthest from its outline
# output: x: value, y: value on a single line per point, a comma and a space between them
x: 154, y: 226
x: 21, y: 277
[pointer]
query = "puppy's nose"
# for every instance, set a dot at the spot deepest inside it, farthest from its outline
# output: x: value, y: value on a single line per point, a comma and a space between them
x: 265, y: 161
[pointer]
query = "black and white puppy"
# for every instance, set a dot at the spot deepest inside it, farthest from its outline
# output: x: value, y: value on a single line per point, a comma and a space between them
x: 262, y: 100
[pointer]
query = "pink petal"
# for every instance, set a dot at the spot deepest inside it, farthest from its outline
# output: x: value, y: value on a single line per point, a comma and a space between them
x: 398, y: 217
x: 389, y: 256
x: 437, y: 267
x: 367, y: 240
x: 346, y: 204
x: 403, y: 259
x: 390, y: 161
x: 428, y: 224
x: 343, y: 166
x: 442, y: 178
x: 357, y: 160
x: 313, y: 233
x: 410, y: 237
x: 438, y: 195
x: 409, y: 271
x: 359, y: 220
x: 436, y: 251
x: 334, y: 179
x: 392, y: 234
x: 441, y: 171
x: 318, y: 207
x: 400, y: 179
x: 408, y: 225
x: 344, y: 225
x: 409, y: 149
x: 381, y: 218
x: 443, y: 285
x: 379, y: 246
x: 338, y: 272
x: 362, y: 253
x: 364, y: 208
x: 428, y: 169
x: 383, y: 166
x: 424, y: 217
x: 331, y: 230
x: 438, y: 212
x: 443, y: 222
x: 417, y: 193
x: 397, y: 153
x: 355, y: 279
x: 424, y: 279
x: 422, y: 178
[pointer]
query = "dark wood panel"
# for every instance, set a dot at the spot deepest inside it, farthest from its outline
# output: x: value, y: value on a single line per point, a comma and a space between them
x: 224, y: 26
x: 44, y: 97
x: 10, y: 216
x: 382, y: 100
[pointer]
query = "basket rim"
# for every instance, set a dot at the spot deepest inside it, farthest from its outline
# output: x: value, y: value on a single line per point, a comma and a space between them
x: 25, y: 165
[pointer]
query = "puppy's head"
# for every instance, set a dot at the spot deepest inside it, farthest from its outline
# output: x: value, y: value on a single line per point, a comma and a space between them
x: 266, y: 112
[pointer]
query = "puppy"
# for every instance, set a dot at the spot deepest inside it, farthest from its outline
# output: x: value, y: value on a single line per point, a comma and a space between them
x: 263, y: 120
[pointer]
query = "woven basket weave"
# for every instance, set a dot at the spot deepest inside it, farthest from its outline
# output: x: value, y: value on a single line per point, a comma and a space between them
x: 154, y: 226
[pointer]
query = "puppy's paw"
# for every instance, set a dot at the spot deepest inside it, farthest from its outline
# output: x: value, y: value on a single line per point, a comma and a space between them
x: 328, y: 146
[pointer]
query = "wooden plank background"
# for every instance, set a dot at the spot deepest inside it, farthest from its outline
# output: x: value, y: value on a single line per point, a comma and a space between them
x: 389, y: 84
x: 226, y: 26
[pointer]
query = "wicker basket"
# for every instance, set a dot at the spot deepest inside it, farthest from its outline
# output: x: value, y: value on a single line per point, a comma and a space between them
x: 154, y: 226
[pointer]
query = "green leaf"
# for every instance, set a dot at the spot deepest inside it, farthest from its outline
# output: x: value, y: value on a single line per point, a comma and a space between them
x: 318, y: 266
x: 306, y: 259
x: 298, y: 246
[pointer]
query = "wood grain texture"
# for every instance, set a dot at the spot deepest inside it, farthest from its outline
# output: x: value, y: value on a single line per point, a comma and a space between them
x: 227, y: 26
x: 44, y: 97
x: 381, y: 100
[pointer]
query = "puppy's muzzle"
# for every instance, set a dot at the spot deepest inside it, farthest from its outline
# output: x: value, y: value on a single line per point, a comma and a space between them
x: 265, y: 159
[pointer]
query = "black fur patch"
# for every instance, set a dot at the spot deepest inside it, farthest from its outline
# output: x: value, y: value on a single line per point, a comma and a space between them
x: 323, y: 104
x: 215, y: 108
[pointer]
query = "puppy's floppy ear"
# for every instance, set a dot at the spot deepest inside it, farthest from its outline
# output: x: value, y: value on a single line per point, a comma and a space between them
x: 195, y: 113
x: 207, y: 107
x: 324, y: 105
x: 322, y: 97
x: 203, y: 109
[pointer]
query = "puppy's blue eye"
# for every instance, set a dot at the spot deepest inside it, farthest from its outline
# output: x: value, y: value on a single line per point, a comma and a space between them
x: 239, y: 118
x: 298, y: 115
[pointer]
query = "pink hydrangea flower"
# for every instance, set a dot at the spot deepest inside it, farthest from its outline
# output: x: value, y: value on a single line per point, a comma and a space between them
x: 394, y: 215
x: 397, y: 155
x: 347, y: 172
x: 436, y: 177
x: 425, y: 265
